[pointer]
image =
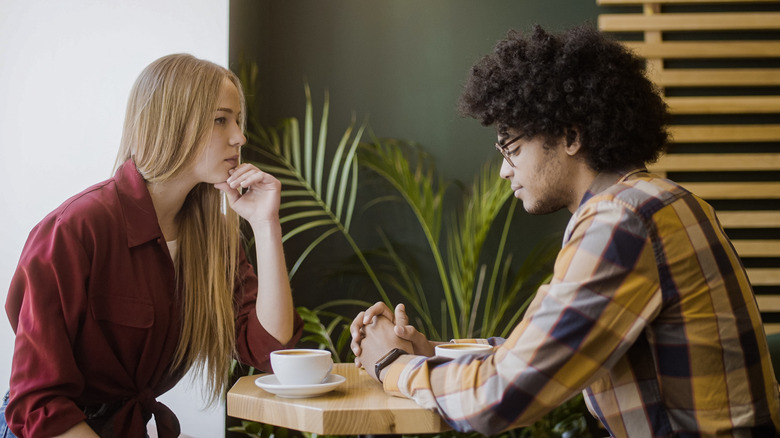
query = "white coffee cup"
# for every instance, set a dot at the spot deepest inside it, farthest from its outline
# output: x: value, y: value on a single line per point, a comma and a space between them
x: 301, y: 366
x: 455, y: 351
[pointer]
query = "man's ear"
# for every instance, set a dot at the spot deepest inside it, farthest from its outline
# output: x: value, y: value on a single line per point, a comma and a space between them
x: 573, y: 141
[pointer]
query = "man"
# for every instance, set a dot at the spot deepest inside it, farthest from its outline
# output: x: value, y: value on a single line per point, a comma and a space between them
x: 649, y: 310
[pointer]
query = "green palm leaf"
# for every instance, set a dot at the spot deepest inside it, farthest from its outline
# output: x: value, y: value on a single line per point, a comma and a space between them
x: 466, y: 240
x: 301, y: 171
x: 422, y: 191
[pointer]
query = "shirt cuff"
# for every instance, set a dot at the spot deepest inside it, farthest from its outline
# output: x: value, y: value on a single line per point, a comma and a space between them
x: 394, y: 371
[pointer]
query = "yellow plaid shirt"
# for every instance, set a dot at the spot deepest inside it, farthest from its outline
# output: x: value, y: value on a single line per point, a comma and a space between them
x: 649, y: 312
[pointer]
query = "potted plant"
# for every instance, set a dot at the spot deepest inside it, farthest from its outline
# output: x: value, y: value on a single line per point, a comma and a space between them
x: 483, y: 291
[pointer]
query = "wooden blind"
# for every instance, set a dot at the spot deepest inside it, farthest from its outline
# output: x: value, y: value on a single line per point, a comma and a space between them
x: 717, y: 63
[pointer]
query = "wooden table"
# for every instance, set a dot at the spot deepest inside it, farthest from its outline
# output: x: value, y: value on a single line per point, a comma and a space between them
x: 359, y: 406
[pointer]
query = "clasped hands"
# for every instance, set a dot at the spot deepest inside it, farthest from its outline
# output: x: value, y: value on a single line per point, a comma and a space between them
x: 378, y: 330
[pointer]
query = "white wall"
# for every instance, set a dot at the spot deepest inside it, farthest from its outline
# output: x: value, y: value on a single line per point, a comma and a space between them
x: 66, y: 68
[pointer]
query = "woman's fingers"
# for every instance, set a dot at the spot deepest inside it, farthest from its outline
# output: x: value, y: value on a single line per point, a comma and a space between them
x: 247, y: 175
x: 232, y: 194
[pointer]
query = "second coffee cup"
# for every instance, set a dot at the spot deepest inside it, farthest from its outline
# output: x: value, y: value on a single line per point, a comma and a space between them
x: 455, y: 350
x: 301, y: 366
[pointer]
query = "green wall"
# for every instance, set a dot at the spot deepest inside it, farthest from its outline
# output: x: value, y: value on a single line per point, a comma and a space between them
x: 401, y: 63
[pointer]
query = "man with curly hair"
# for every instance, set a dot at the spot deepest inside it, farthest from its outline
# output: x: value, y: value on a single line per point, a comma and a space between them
x: 649, y: 311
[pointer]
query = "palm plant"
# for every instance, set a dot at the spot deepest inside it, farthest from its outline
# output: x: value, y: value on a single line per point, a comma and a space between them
x: 480, y: 291
x: 320, y: 197
x: 466, y: 283
x: 313, y: 197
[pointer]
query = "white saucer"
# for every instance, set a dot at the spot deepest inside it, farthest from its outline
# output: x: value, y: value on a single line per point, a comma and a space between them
x: 271, y: 384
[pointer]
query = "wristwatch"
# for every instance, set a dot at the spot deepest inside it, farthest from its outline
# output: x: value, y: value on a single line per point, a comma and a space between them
x: 386, y: 360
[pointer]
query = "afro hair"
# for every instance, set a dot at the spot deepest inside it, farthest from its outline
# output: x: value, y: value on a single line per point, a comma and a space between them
x: 546, y: 84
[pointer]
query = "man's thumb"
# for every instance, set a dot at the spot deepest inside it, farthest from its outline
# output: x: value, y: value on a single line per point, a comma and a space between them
x: 400, y: 315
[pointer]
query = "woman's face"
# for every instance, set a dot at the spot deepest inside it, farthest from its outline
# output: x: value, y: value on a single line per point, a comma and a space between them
x: 221, y: 153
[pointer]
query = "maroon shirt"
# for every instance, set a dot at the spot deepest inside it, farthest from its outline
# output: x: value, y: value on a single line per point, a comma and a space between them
x: 96, y: 312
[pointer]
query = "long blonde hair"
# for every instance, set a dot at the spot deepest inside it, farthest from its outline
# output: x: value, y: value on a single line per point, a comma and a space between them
x: 168, y: 122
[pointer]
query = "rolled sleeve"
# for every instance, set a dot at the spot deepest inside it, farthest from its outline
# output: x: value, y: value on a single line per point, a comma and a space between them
x: 392, y: 382
x: 46, y: 302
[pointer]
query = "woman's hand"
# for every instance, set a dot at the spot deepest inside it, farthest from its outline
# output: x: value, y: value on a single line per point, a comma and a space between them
x: 260, y: 200
x: 259, y: 205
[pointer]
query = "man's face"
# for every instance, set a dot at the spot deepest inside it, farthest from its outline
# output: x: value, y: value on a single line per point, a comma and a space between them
x: 538, y: 174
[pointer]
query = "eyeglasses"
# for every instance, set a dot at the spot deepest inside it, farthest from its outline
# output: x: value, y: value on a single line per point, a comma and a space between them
x: 502, y: 149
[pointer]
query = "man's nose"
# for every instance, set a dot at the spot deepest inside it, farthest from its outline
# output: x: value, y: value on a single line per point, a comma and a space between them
x: 506, y: 171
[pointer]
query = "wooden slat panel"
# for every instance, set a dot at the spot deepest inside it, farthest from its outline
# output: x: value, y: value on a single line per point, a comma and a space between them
x: 653, y: 37
x: 772, y: 328
x: 724, y: 105
x: 757, y: 248
x: 700, y: 49
x: 652, y: 22
x: 764, y: 276
x: 717, y: 162
x: 689, y: 21
x: 640, y: 2
x: 716, y: 77
x: 724, y: 133
x: 749, y: 219
x: 768, y: 303
x: 735, y: 190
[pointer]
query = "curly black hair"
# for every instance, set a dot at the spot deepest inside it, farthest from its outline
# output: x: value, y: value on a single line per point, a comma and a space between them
x: 546, y: 84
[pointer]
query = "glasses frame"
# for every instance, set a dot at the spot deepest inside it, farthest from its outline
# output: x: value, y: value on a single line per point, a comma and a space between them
x: 502, y: 149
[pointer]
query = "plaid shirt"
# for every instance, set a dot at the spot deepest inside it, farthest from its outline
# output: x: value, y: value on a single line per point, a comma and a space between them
x: 649, y: 311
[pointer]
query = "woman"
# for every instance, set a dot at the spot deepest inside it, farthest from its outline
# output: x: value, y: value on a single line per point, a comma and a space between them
x: 131, y: 283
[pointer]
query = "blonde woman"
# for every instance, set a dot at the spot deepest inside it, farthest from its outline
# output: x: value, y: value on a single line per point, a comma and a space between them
x: 140, y: 278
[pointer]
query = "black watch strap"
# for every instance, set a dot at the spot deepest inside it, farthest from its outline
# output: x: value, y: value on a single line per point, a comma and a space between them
x: 386, y: 360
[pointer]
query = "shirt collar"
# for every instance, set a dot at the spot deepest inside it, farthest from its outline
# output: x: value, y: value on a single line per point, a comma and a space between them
x: 140, y: 218
x: 607, y: 179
